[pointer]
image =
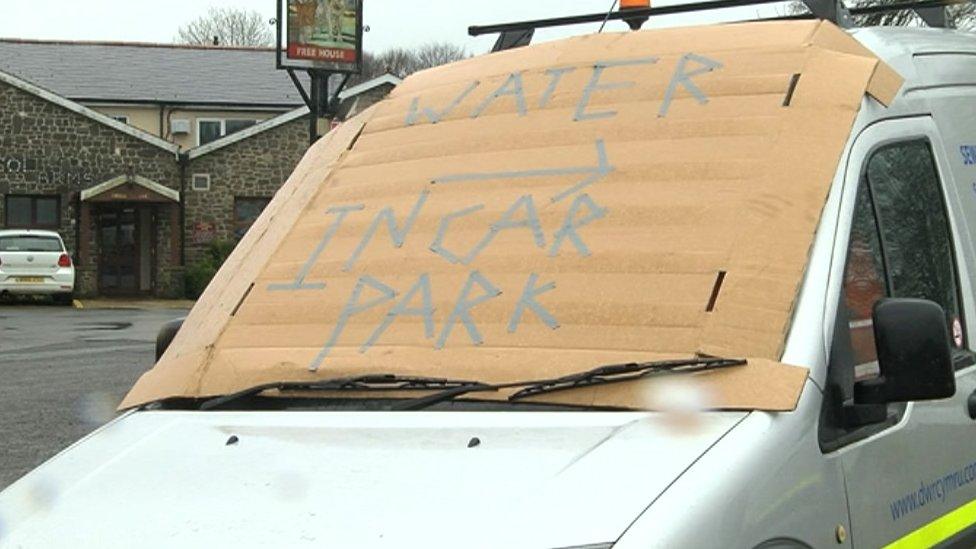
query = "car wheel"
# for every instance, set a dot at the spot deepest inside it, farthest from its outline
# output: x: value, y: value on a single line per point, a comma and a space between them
x: 64, y: 299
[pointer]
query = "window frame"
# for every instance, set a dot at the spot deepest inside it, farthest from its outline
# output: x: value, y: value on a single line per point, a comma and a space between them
x: 201, y: 121
x: 885, y: 278
x: 223, y: 127
x: 33, y: 224
x: 202, y: 176
x: 253, y: 122
x: 944, y: 207
x: 833, y: 437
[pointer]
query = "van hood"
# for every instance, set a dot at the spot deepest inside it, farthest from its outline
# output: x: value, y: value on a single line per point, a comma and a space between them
x: 323, y: 479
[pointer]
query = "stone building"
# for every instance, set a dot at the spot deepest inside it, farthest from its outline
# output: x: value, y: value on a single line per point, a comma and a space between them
x: 231, y: 181
x: 189, y: 95
x: 134, y: 208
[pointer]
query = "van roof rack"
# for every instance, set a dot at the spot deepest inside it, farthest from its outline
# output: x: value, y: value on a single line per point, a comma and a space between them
x: 512, y: 35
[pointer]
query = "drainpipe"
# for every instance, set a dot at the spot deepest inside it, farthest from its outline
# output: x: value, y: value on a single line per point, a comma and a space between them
x: 162, y: 118
x: 77, y: 218
x: 184, y: 161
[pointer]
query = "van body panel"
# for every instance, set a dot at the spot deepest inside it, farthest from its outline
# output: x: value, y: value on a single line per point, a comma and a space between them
x: 764, y: 480
x: 909, y: 475
x: 367, y: 479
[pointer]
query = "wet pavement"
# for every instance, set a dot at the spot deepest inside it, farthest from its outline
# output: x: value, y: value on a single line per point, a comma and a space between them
x: 62, y: 373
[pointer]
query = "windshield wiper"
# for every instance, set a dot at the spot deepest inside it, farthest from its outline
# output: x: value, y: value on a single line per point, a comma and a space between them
x: 616, y: 373
x: 603, y: 374
x: 375, y: 382
x: 449, y: 389
x: 452, y: 393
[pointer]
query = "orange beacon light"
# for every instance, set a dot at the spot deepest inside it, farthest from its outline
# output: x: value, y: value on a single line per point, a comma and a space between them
x: 635, y: 22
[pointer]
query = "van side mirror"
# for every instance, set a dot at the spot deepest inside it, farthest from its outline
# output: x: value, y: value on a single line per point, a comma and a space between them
x: 914, y: 354
x: 166, y: 335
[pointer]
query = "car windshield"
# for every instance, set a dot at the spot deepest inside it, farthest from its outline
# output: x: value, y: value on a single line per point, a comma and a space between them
x: 29, y: 243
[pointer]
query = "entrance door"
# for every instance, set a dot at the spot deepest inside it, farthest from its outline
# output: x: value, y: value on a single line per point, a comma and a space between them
x: 119, y: 251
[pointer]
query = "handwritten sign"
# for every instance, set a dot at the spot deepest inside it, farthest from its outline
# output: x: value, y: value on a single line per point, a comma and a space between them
x: 688, y: 66
x: 577, y: 207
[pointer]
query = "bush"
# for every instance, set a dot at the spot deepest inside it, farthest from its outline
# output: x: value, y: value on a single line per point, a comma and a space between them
x: 199, y: 274
x: 220, y: 250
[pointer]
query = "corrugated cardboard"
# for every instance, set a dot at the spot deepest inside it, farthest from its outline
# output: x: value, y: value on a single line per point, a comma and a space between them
x: 673, y: 180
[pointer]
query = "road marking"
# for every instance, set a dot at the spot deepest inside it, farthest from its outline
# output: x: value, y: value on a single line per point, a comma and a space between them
x: 73, y: 352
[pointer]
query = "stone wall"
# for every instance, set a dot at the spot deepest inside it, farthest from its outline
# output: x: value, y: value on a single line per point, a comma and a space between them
x: 46, y: 149
x: 352, y: 107
x: 255, y: 167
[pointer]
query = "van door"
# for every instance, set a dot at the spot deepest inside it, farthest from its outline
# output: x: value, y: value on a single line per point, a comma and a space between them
x: 910, y: 469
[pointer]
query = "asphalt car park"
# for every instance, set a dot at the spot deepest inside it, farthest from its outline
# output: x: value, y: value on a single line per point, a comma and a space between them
x: 64, y: 371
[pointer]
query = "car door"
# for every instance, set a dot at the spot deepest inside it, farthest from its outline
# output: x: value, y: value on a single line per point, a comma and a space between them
x: 910, y: 468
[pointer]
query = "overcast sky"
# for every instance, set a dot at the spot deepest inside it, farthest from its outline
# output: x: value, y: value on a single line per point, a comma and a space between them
x: 405, y: 23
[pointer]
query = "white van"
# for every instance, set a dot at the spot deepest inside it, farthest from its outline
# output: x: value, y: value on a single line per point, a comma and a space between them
x: 698, y: 287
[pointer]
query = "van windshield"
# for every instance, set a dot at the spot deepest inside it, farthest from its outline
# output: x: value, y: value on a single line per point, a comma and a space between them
x: 29, y: 243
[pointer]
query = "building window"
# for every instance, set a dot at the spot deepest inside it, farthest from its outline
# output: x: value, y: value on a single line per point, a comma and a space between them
x: 120, y: 118
x: 246, y: 211
x: 201, y: 182
x: 209, y: 130
x: 234, y: 126
x: 212, y: 129
x: 33, y: 212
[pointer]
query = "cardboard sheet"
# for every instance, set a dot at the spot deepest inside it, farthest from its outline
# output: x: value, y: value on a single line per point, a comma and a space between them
x: 537, y: 212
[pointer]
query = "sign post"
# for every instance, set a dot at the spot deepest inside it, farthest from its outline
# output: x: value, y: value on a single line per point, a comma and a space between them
x: 322, y: 38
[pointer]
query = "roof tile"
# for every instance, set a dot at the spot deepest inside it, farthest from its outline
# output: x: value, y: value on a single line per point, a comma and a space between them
x: 96, y: 71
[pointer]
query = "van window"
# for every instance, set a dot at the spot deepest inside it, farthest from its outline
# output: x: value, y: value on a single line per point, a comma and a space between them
x: 900, y: 244
x: 914, y: 227
x: 864, y: 282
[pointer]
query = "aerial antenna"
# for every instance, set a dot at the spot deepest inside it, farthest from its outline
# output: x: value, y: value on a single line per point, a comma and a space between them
x: 607, y: 18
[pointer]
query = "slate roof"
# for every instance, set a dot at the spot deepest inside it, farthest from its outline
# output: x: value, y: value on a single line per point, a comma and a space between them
x: 47, y: 95
x: 155, y: 73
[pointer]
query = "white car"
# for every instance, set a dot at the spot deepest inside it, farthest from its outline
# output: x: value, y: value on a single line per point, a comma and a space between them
x: 35, y: 262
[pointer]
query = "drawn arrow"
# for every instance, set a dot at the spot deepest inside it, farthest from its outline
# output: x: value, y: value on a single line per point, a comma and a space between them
x: 592, y: 173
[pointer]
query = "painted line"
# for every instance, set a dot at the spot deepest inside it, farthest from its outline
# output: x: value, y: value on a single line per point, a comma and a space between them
x: 593, y: 173
x: 938, y: 530
x: 299, y: 282
x: 21, y: 354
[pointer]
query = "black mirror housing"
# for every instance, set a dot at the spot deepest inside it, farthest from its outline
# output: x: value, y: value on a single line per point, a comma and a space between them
x: 166, y: 335
x: 914, y: 353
